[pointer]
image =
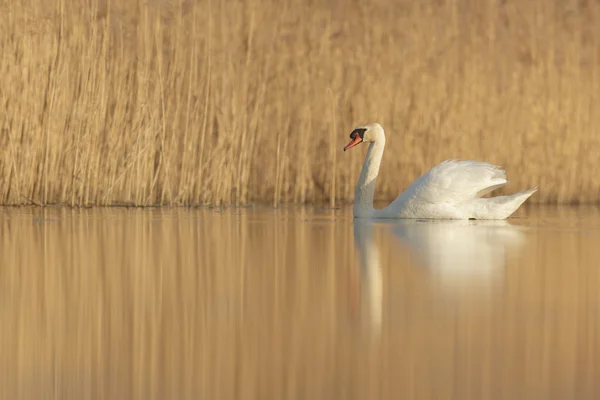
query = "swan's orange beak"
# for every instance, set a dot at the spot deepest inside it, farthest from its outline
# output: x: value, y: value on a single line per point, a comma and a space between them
x: 357, y: 140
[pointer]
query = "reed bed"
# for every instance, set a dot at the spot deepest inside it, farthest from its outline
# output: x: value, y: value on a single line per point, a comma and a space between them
x: 236, y: 102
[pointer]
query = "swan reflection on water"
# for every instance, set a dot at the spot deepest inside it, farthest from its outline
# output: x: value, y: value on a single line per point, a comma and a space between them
x: 459, y: 253
x: 371, y: 290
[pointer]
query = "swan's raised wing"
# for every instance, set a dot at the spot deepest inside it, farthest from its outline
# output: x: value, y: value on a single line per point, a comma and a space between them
x: 456, y: 181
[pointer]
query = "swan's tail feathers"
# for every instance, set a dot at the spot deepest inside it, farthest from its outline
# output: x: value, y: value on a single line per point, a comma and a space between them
x: 524, y: 195
x: 501, y: 207
x: 510, y: 204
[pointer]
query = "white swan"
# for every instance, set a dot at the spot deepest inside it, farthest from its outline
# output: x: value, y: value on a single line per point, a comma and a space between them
x: 450, y: 190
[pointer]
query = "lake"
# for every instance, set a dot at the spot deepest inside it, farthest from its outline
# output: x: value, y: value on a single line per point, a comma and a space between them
x: 297, y: 303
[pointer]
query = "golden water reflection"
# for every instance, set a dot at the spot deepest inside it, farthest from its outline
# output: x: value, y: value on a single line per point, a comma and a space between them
x: 297, y: 303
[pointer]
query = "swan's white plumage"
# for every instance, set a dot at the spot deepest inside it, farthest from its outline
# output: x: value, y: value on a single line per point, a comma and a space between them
x: 452, y: 189
x: 458, y: 180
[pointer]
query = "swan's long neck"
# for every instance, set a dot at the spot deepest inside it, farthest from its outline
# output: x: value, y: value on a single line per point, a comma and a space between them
x: 365, y: 188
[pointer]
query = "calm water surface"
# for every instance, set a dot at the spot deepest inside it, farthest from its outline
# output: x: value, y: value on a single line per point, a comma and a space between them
x: 297, y: 303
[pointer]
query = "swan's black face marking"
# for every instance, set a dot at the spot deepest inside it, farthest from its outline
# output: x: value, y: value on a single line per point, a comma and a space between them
x: 358, y: 131
x: 357, y: 138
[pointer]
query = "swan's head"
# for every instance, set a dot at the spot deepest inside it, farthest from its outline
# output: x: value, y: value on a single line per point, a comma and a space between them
x: 366, y: 133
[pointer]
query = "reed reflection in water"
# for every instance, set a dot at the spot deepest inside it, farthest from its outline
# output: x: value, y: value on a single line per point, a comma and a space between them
x: 296, y: 303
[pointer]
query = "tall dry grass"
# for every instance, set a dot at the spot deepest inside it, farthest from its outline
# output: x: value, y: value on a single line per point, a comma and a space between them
x: 196, y: 102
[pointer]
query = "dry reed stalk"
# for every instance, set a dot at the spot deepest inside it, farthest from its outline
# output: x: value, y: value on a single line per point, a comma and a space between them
x: 333, y: 150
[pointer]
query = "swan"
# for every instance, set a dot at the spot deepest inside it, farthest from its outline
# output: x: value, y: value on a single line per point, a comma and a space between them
x: 450, y: 190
